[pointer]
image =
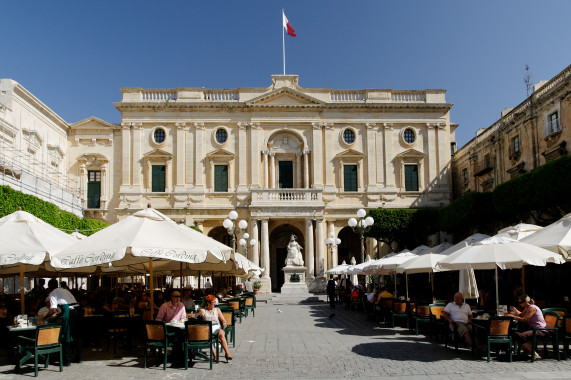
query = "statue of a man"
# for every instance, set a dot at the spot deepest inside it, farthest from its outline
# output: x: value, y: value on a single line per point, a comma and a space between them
x: 294, y: 256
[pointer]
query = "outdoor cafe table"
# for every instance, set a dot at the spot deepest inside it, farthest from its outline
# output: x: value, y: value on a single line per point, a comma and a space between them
x: 13, y: 334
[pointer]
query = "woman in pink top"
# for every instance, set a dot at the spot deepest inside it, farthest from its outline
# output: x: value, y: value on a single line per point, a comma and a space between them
x: 533, y: 316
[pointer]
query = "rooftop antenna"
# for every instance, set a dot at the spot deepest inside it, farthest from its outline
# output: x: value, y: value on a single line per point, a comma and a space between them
x: 527, y: 80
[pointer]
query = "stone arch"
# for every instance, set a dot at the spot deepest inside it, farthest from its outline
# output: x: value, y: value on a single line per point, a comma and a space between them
x: 350, y: 245
x: 286, y: 141
x: 279, y: 238
x: 221, y: 234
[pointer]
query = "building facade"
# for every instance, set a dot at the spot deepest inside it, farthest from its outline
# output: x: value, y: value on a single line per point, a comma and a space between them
x: 525, y: 137
x: 289, y: 160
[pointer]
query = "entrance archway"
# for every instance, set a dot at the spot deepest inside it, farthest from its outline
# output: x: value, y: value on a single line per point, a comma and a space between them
x: 221, y: 234
x: 279, y: 239
x: 350, y: 246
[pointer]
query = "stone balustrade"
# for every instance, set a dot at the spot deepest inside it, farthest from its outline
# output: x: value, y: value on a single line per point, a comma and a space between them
x: 408, y: 96
x: 158, y: 95
x: 348, y: 96
x: 221, y: 95
x: 282, y: 197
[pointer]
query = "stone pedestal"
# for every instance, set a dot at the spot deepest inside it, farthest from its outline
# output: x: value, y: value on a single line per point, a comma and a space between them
x: 294, y: 280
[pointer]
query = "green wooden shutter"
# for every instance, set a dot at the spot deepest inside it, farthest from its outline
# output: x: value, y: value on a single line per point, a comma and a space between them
x: 221, y: 178
x: 158, y: 179
x: 350, y: 177
x: 411, y: 177
x: 285, y: 180
x: 93, y: 189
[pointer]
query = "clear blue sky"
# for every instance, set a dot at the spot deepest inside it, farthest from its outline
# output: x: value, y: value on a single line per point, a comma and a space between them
x: 75, y: 55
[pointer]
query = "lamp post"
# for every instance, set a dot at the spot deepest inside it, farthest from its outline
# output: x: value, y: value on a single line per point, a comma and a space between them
x: 231, y: 228
x: 332, y: 244
x: 360, y: 226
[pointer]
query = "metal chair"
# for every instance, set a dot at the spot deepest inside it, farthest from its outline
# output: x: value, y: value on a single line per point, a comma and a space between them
x: 400, y: 310
x: 198, y: 336
x: 552, y: 320
x: 157, y: 338
x: 249, y: 305
x: 45, y: 342
x: 499, y: 333
x: 421, y: 315
x: 230, y: 329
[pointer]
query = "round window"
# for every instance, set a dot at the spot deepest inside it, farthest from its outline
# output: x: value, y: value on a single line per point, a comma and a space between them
x: 160, y: 135
x: 348, y: 136
x: 221, y: 136
x: 409, y: 136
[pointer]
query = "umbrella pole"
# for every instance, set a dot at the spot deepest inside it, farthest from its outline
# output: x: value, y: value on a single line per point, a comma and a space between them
x: 151, y: 287
x: 117, y: 284
x: 523, y: 279
x: 406, y: 277
x: 199, y: 276
x: 181, y: 284
x: 432, y: 284
x: 22, y: 290
x: 497, y: 293
x: 395, y: 278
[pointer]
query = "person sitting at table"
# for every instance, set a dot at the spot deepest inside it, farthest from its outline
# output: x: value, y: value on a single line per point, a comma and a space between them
x: 55, y: 317
x: 384, y: 293
x: 459, y: 314
x: 213, y: 314
x: 531, y: 315
x: 172, y: 311
x: 187, y: 300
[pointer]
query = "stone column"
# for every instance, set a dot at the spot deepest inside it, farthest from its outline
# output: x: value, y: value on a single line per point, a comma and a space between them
x: 329, y: 153
x: 266, y: 175
x: 444, y: 155
x: 168, y: 174
x: 256, y: 247
x: 332, y: 259
x: 199, y: 224
x: 272, y: 170
x: 149, y: 174
x: 320, y: 247
x: 370, y: 161
x: 189, y: 157
x: 199, y: 154
x: 265, y: 248
x: 317, y: 155
x: 298, y: 183
x: 389, y: 168
x: 136, y: 166
x: 126, y: 154
x: 242, y: 155
x: 104, y: 182
x: 180, y: 153
x: 254, y: 152
x: 306, y: 169
x: 379, y: 158
x: 431, y: 154
x: 309, y: 255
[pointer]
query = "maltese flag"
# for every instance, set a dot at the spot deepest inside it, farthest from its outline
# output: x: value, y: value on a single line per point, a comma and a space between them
x: 288, y: 27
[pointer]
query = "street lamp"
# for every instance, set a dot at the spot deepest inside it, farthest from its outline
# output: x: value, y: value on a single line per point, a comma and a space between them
x: 361, y: 226
x: 231, y: 228
x: 332, y: 243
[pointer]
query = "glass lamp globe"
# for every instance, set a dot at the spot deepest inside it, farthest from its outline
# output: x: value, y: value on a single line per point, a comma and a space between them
x: 227, y: 223
x: 361, y: 213
x: 233, y: 215
x: 331, y: 235
x: 253, y: 242
x: 370, y: 221
x: 242, y: 242
x: 328, y: 241
x: 246, y: 236
x: 352, y: 222
x: 337, y: 241
x: 242, y: 224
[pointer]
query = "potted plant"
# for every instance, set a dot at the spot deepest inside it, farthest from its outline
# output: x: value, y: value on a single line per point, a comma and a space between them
x: 257, y: 285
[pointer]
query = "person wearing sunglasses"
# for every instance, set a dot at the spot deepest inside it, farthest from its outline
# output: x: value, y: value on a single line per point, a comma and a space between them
x: 172, y: 311
x: 531, y: 315
x: 213, y: 314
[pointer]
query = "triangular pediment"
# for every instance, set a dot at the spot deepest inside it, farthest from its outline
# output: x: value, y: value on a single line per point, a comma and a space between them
x: 157, y: 153
x: 92, y: 122
x: 220, y: 153
x: 285, y: 96
x: 411, y: 153
x: 349, y: 153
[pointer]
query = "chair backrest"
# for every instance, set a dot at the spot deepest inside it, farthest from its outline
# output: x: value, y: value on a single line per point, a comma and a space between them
x: 500, y: 325
x: 436, y: 310
x: 229, y: 317
x: 399, y: 307
x: 147, y: 315
x: 199, y: 331
x: 567, y: 321
x: 48, y: 335
x: 559, y: 310
x: 155, y: 330
x: 387, y: 303
x: 440, y: 302
x: 234, y: 305
x: 423, y: 311
x: 249, y: 301
x: 551, y: 319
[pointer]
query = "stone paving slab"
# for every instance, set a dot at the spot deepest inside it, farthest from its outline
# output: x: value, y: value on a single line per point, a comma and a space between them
x: 305, y: 341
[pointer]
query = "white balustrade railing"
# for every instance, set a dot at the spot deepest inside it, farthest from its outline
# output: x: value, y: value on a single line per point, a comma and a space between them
x: 158, y: 95
x: 408, y: 96
x: 348, y: 96
x: 287, y: 196
x: 221, y: 95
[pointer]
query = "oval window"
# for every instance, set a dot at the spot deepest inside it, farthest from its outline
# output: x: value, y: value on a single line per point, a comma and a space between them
x: 160, y: 135
x: 221, y: 136
x: 348, y: 136
x: 409, y: 136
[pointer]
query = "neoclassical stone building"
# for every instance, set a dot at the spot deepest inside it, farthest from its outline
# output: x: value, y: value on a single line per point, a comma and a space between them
x: 289, y: 160
x: 524, y: 138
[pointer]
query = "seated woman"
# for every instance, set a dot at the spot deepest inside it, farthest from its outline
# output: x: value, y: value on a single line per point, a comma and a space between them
x: 55, y: 318
x: 210, y: 313
x: 531, y: 315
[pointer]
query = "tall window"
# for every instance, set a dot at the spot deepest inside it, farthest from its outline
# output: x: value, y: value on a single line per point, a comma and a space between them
x: 221, y: 178
x: 93, y: 189
x: 350, y: 178
x: 158, y: 179
x: 487, y: 162
x: 554, y: 123
x: 285, y: 174
x: 465, y: 176
x: 411, y: 177
x: 515, y: 144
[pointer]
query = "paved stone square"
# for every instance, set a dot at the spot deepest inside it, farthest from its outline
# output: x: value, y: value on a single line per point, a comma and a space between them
x: 302, y: 341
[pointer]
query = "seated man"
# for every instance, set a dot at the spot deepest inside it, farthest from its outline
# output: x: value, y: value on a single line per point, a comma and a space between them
x: 172, y: 311
x: 187, y: 300
x: 460, y: 314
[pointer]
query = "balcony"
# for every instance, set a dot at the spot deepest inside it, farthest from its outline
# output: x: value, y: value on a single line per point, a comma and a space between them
x: 482, y: 168
x: 287, y: 197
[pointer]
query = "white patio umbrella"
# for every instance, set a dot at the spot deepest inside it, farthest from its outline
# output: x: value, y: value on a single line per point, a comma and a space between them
x: 25, y: 242
x: 440, y: 248
x: 340, y: 269
x: 358, y: 268
x: 555, y: 238
x: 426, y: 263
x: 468, y: 241
x: 421, y: 249
x: 519, y: 231
x: 137, y: 239
x: 78, y: 235
x: 497, y: 252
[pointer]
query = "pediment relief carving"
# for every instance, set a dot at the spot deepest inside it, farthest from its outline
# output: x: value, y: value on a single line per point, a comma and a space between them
x: 56, y: 151
x: 93, y: 159
x: 220, y: 154
x: 158, y: 154
x: 92, y: 122
x: 285, y: 143
x: 33, y: 137
x: 285, y: 96
x: 412, y: 153
x: 349, y: 153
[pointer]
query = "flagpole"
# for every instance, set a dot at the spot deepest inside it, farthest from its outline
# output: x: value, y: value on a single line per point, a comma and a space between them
x: 283, y: 38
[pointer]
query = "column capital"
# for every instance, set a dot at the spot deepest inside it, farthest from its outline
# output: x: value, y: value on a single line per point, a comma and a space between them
x: 371, y: 125
x: 431, y: 125
x: 137, y: 125
x: 317, y: 125
x: 199, y: 125
x: 126, y: 126
x: 327, y: 125
x: 254, y: 125
x: 441, y: 125
x: 181, y: 126
x: 306, y: 152
x: 388, y: 126
x: 243, y: 124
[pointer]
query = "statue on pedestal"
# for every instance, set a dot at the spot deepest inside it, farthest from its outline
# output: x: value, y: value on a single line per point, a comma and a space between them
x: 294, y: 256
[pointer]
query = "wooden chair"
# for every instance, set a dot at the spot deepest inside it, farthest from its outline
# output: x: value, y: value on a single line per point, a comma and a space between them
x: 437, y: 323
x: 117, y: 329
x: 499, y: 333
x: 158, y: 338
x: 559, y: 310
x: 400, y: 310
x: 230, y: 329
x: 566, y: 334
x: 249, y: 305
x: 552, y: 320
x: 386, y: 308
x: 421, y: 315
x: 198, y: 336
x: 236, y: 304
x: 45, y: 343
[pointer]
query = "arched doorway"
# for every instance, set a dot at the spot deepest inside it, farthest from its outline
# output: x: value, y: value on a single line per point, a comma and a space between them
x: 279, y: 239
x: 221, y: 234
x: 350, y: 246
